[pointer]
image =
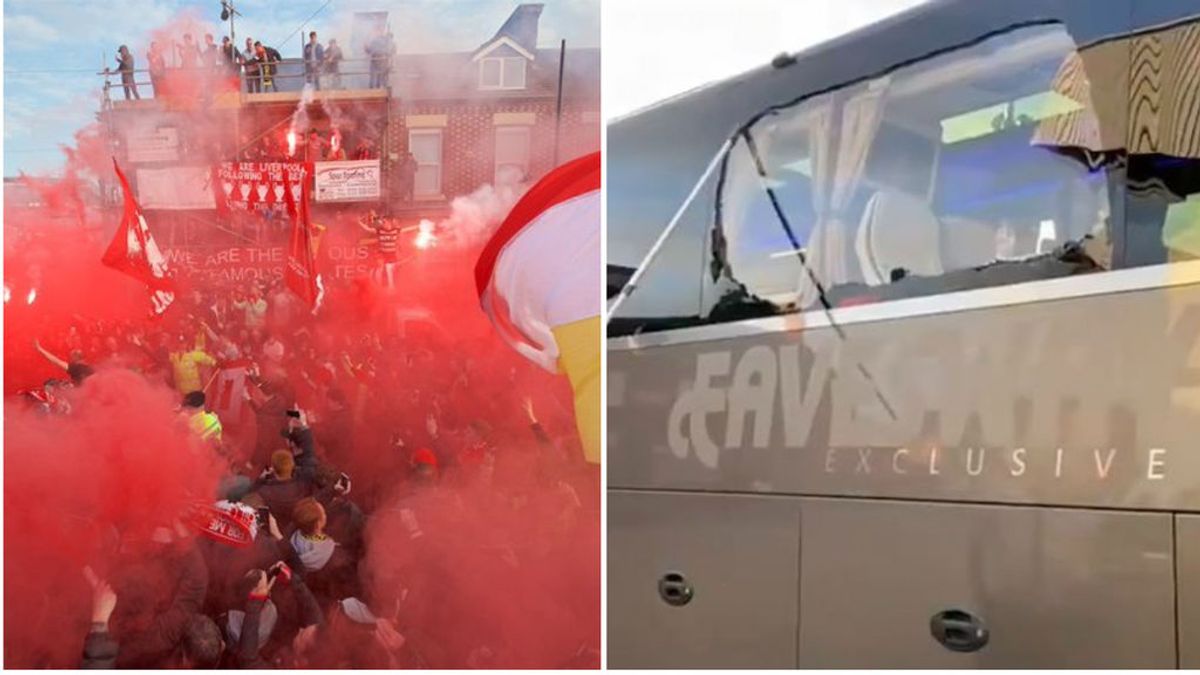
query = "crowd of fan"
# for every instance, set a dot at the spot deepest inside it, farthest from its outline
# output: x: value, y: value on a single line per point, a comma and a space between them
x: 316, y: 405
x: 315, y: 146
x: 257, y: 64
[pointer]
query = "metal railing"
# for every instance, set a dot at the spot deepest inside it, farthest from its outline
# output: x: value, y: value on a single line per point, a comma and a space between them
x: 287, y: 75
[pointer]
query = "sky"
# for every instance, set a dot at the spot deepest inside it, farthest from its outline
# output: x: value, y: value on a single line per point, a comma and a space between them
x: 53, y: 49
x: 656, y: 49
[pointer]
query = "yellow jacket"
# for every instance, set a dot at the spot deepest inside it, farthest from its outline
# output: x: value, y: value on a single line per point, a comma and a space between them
x: 206, y: 425
x: 187, y: 369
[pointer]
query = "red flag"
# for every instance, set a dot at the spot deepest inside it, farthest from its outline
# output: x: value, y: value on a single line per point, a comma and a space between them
x: 300, y: 274
x: 134, y: 252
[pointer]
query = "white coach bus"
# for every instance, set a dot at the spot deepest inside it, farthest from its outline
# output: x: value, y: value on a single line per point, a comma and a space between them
x: 914, y: 380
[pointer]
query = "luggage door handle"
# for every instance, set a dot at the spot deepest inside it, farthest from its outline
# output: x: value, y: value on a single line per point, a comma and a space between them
x: 959, y: 631
x: 675, y: 589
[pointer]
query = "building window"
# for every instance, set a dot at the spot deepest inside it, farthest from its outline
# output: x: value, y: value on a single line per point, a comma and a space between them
x: 512, y: 154
x: 426, y: 147
x: 502, y: 73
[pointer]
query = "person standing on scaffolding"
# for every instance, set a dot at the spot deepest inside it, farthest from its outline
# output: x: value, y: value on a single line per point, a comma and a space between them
x: 267, y: 67
x: 314, y: 57
x: 125, y: 67
x: 251, y: 68
x: 158, y: 68
x: 379, y: 50
x: 230, y: 57
x: 333, y: 63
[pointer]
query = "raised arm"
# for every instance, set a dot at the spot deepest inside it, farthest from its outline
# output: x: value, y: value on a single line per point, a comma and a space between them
x: 248, y: 645
x: 212, y: 334
x: 99, y: 647
x: 206, y: 359
x: 49, y: 356
x: 538, y: 432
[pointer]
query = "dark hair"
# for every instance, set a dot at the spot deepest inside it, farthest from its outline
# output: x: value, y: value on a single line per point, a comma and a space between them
x: 313, y: 34
x: 194, y: 399
x: 202, y: 642
x: 79, y: 372
x: 247, y: 583
x: 257, y: 43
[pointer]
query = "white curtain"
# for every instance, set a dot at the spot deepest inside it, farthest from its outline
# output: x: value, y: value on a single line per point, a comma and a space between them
x: 839, y: 158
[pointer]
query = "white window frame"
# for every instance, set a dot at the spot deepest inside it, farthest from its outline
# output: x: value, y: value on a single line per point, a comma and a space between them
x: 508, y: 80
x: 516, y: 130
x: 435, y: 132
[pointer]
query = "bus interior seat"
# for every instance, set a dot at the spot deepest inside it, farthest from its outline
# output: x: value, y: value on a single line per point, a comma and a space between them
x: 967, y: 243
x: 898, y: 231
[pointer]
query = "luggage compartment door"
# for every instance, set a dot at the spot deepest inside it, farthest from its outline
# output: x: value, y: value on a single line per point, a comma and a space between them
x: 1187, y: 544
x: 888, y: 584
x: 702, y: 581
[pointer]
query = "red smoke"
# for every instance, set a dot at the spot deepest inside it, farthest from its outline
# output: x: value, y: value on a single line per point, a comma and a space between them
x: 120, y: 462
x: 507, y: 570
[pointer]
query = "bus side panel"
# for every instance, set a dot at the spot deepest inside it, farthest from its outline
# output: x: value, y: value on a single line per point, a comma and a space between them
x: 1054, y: 588
x: 1077, y: 401
x: 738, y: 554
x: 1187, y: 543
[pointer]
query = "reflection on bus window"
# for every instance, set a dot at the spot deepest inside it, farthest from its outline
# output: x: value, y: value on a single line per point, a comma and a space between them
x: 962, y: 171
x: 1181, y: 229
x: 1152, y: 118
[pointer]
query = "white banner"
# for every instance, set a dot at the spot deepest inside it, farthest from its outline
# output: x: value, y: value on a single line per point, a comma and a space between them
x: 176, y: 188
x: 347, y: 181
x: 149, y: 144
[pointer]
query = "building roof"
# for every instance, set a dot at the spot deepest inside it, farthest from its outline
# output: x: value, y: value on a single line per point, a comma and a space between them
x: 520, y: 32
x: 455, y: 76
x: 448, y: 76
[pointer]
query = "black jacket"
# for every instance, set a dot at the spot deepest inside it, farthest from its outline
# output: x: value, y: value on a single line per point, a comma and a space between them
x: 151, y: 635
x: 281, y: 496
x: 227, y: 565
x: 295, y: 599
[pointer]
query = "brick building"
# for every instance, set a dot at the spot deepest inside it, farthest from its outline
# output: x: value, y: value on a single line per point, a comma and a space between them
x: 469, y: 118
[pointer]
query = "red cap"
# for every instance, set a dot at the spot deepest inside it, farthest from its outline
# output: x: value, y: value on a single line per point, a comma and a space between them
x: 425, y: 456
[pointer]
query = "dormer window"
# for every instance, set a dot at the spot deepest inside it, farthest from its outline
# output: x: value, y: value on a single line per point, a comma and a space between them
x: 502, y: 72
x: 503, y: 59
